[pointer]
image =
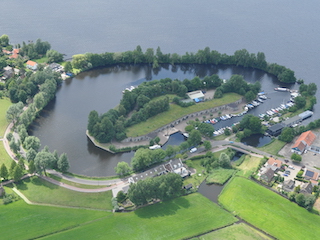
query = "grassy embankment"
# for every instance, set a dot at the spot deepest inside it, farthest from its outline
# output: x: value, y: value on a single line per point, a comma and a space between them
x: 41, y: 191
x: 239, y: 231
x: 22, y: 221
x: 268, y: 211
x: 220, y: 176
x: 248, y: 166
x: 4, y: 105
x: 274, y: 147
x: 75, y: 184
x: 179, y: 218
x: 176, y: 112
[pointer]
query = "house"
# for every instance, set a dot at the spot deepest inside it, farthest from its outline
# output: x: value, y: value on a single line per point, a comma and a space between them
x: 274, y: 164
x: 8, y: 73
x: 15, y: 53
x: 55, y: 67
x: 188, y: 187
x: 292, y: 121
x: 267, y: 175
x: 310, y: 175
x: 306, y: 188
x: 32, y: 65
x: 304, y: 141
x: 288, y: 185
x: 276, y: 129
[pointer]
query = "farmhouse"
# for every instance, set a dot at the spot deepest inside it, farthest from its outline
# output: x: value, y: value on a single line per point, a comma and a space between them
x: 32, y: 65
x: 304, y: 142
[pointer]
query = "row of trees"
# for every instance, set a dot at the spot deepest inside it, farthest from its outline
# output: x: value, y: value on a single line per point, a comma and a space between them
x: 34, y: 50
x: 249, y: 125
x: 205, y: 56
x: 159, y: 188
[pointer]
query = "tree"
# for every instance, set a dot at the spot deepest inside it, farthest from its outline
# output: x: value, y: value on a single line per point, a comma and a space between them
x: 300, y: 199
x: 312, y: 89
x: 22, y: 132
x: 207, y: 145
x: 44, y: 160
x: 224, y: 161
x: 4, y: 172
x: 300, y: 102
x: 287, y: 76
x: 249, y: 96
x: 39, y: 100
x: 157, y: 140
x: 32, y: 167
x: 21, y: 164
x: 17, y: 173
x: 12, y: 166
x: 54, y: 56
x: 296, y: 157
x: 31, y: 154
x: 287, y: 135
x: 4, y: 40
x: 63, y: 163
x: 122, y: 169
x: 15, y: 147
x: 121, y: 196
x: 194, y: 138
x: 68, y: 67
x: 14, y: 111
x: 32, y: 142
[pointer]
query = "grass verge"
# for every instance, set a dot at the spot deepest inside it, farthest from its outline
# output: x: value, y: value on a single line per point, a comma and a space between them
x: 22, y: 221
x: 41, y: 191
x: 274, y: 147
x: 175, y: 219
x: 176, y: 112
x: 269, y: 211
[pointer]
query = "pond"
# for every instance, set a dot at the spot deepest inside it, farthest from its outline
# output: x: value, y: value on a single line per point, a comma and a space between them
x: 210, y: 191
x: 256, y: 140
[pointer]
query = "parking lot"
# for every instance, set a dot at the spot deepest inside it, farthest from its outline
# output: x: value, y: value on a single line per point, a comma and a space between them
x: 293, y: 172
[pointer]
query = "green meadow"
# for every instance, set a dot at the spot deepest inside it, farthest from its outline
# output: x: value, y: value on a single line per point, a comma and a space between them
x: 179, y: 218
x: 268, y: 211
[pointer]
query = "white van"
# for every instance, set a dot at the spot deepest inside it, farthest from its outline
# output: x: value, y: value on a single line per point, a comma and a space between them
x: 193, y: 150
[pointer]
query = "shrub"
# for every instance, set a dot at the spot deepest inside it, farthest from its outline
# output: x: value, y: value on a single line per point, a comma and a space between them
x: 296, y: 157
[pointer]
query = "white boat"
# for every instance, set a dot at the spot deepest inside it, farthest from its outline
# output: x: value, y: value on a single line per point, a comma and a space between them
x: 282, y: 89
x: 128, y: 89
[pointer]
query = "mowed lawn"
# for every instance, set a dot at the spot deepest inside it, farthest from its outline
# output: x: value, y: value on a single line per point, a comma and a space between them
x: 4, y: 157
x: 268, y: 211
x: 22, y: 221
x: 219, y: 175
x: 176, y: 112
x: 175, y: 219
x: 41, y: 191
x: 274, y: 147
x: 4, y: 105
x: 235, y: 232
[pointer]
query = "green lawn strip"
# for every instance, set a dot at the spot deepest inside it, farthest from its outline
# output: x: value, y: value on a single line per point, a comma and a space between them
x: 4, y: 105
x: 235, y: 232
x: 22, y: 221
x: 274, y: 147
x: 219, y: 176
x: 248, y: 166
x: 269, y: 211
x: 41, y: 60
x: 4, y: 157
x: 200, y: 175
x: 91, y: 178
x: 176, y: 112
x: 79, y: 185
x: 41, y: 191
x: 175, y: 219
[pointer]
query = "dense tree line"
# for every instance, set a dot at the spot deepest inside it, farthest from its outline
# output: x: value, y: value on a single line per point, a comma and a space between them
x: 249, y: 125
x: 158, y: 188
x: 34, y: 50
x: 205, y: 56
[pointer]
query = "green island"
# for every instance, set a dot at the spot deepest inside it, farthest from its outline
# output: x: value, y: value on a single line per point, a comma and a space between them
x: 42, y: 200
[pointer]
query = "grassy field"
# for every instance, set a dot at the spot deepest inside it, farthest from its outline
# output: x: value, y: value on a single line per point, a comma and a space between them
x: 175, y: 219
x: 4, y: 105
x: 40, y: 191
x: 4, y: 157
x: 248, y: 166
x: 269, y: 211
x: 274, y: 147
x: 199, y: 177
x: 219, y: 176
x: 75, y: 184
x: 176, y: 112
x: 235, y: 232
x: 22, y: 221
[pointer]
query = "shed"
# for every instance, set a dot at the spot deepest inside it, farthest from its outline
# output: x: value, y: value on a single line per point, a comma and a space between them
x: 196, y: 95
x: 305, y: 114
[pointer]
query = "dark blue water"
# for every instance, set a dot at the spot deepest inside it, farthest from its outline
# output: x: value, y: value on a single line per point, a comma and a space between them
x: 257, y: 140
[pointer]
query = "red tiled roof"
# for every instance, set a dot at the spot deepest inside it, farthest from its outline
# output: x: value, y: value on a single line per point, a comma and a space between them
x: 31, y: 63
x: 274, y: 162
x: 16, y: 50
x: 308, y: 137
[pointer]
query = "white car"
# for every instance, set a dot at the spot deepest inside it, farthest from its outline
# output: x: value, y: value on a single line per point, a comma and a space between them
x: 193, y: 150
x: 291, y: 167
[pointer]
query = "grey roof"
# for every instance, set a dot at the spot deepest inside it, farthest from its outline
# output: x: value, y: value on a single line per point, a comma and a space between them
x: 305, y: 114
x: 268, y: 175
x: 292, y: 120
x: 289, y: 184
x: 306, y: 188
x: 276, y: 128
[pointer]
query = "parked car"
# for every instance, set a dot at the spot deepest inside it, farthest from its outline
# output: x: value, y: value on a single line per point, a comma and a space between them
x: 286, y: 175
x: 291, y: 167
x: 287, y: 172
x: 192, y: 150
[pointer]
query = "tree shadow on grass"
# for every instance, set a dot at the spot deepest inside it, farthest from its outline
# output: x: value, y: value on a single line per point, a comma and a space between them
x: 162, y: 209
x: 22, y: 185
